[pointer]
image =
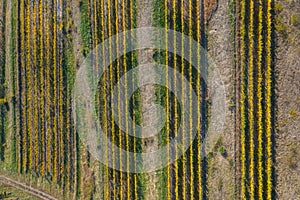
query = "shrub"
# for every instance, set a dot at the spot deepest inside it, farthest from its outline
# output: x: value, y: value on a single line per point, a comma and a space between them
x: 295, y: 20
x: 3, y: 101
x: 223, y: 151
x: 278, y: 8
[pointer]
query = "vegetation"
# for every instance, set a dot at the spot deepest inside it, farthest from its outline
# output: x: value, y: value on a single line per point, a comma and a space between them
x: 257, y: 100
x: 38, y: 92
x: 295, y: 20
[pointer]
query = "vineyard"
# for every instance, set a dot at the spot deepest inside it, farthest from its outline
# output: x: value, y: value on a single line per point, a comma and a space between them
x: 257, y: 99
x: 45, y: 44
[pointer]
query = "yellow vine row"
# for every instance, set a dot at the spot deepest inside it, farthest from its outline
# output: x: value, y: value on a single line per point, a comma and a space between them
x: 55, y: 126
x: 36, y: 93
x: 251, y: 102
x: 167, y: 99
x: 29, y: 85
x: 111, y: 71
x: 176, y: 107
x: 243, y: 101
x: 23, y: 69
x: 42, y: 87
x: 269, y: 102
x: 119, y: 96
x: 61, y: 100
x: 199, y: 172
x: 183, y: 103
x: 260, y: 104
x: 190, y: 101
x: 48, y: 95
x: 124, y: 17
x: 106, y: 187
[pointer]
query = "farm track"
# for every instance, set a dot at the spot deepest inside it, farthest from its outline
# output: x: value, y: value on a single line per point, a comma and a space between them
x: 8, y: 72
x: 28, y: 189
x: 145, y: 13
x: 77, y: 47
x: 76, y: 34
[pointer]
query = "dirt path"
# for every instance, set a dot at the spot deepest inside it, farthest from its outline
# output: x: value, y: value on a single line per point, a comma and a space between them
x: 77, y: 40
x: 9, y: 80
x: 220, y: 49
x: 77, y: 47
x: 144, y: 19
x: 26, y: 188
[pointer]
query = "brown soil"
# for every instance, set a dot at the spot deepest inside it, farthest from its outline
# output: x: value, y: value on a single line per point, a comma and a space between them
x: 221, y: 182
x: 210, y: 8
x: 144, y: 19
x: 288, y: 101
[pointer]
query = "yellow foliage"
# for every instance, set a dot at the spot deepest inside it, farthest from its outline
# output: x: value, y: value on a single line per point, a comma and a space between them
x: 167, y: 98
x: 243, y: 100
x: 23, y: 94
x: 29, y: 85
x: 3, y: 101
x: 36, y: 100
x: 251, y: 102
x: 199, y: 172
x: 260, y: 104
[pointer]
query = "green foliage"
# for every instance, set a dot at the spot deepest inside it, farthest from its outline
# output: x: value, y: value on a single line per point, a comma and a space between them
x: 14, y: 66
x: 218, y: 143
x: 85, y: 26
x: 223, y: 151
x: 232, y: 15
x: 158, y: 13
x: 4, y: 195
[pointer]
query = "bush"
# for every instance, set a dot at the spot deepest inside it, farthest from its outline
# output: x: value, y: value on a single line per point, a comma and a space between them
x: 278, y: 7
x: 295, y: 20
x: 3, y: 101
x: 223, y: 151
x: 282, y: 28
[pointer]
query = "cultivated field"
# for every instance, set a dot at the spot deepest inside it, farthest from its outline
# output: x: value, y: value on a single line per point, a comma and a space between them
x: 252, y: 46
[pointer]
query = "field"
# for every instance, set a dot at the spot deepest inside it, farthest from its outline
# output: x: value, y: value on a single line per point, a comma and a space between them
x: 237, y: 151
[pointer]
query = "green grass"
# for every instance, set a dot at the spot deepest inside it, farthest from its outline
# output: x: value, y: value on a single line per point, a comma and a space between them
x: 160, y: 58
x: 136, y: 107
x: 9, y: 192
x: 223, y: 151
x: 85, y: 26
x: 232, y: 19
x: 14, y: 64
